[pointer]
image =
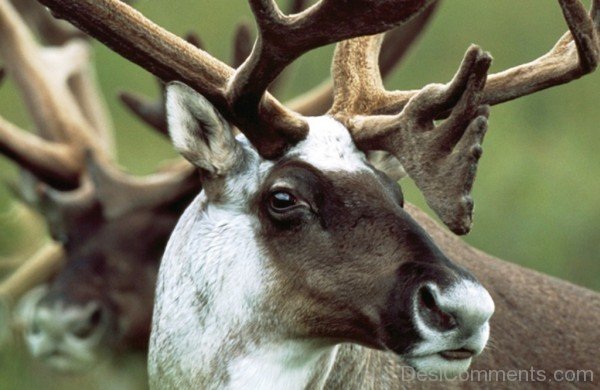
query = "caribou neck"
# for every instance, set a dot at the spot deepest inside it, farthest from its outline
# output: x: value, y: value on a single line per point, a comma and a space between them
x: 284, y: 364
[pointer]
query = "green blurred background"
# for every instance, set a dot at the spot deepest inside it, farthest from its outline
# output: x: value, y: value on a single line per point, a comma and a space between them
x: 536, y: 194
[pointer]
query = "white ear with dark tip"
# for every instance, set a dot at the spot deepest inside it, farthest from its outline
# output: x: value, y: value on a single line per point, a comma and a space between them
x: 199, y: 132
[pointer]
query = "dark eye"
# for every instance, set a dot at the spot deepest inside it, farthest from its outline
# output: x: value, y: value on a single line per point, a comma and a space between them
x: 281, y: 201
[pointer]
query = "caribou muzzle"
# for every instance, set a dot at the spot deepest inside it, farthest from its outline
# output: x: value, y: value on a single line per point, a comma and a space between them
x: 65, y: 335
x: 437, y: 317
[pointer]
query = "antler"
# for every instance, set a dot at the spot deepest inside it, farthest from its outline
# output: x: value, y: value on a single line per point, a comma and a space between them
x: 442, y: 162
x: 58, y: 86
x: 239, y: 95
x: 54, y: 32
x: 42, y: 74
x: 394, y: 48
x: 574, y: 55
x: 442, y: 159
x: 47, y: 261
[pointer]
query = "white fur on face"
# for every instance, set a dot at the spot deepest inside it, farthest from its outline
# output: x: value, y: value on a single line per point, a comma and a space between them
x: 329, y: 147
x: 210, y: 284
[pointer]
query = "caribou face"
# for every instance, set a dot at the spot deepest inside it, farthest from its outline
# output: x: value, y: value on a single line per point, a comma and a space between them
x: 277, y: 262
x: 347, y: 263
x: 100, y: 303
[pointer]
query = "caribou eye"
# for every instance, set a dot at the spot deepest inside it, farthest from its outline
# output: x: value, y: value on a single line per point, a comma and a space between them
x: 281, y: 201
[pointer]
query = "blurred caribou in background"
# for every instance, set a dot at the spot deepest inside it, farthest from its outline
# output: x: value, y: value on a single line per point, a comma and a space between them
x: 108, y: 228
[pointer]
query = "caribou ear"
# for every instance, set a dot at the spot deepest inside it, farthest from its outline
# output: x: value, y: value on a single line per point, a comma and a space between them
x: 199, y: 132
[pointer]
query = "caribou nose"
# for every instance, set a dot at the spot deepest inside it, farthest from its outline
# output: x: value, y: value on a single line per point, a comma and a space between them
x: 91, y: 322
x: 57, y: 320
x: 465, y: 307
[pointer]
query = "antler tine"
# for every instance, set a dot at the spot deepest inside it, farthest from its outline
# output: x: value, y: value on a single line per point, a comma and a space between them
x: 39, y: 268
x: 293, y: 7
x: 194, y: 39
x: 441, y: 159
x: 395, y: 45
x: 356, y: 77
x: 84, y: 87
x: 150, y: 111
x: 53, y: 163
x: 575, y: 54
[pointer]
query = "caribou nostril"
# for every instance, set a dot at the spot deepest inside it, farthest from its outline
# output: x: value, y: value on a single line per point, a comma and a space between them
x: 89, y: 325
x: 96, y: 317
x: 35, y: 329
x: 431, y: 312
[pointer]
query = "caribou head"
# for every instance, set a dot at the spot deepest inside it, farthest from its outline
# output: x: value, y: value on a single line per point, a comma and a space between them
x: 277, y: 261
x: 100, y: 302
x: 296, y: 243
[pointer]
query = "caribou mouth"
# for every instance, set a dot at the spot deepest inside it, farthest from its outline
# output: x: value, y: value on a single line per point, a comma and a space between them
x: 457, y: 354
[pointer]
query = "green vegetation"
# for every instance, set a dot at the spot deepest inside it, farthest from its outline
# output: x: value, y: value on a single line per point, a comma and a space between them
x: 537, y: 191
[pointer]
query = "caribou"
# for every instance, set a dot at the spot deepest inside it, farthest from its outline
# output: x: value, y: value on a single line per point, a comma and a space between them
x: 95, y: 281
x: 534, y: 313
